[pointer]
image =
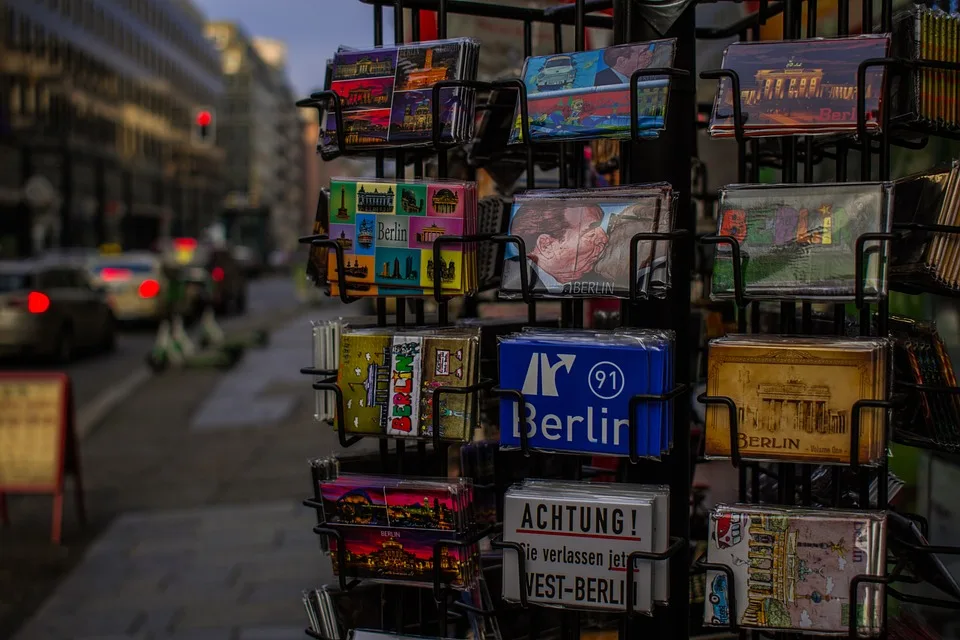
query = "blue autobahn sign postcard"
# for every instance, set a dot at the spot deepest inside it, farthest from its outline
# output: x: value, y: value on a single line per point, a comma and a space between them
x: 577, y: 390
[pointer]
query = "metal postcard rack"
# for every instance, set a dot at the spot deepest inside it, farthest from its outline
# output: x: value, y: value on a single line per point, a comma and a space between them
x: 665, y: 158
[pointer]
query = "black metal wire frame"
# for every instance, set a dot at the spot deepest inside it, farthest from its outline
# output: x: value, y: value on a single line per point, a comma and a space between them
x: 749, y: 21
x: 676, y: 544
x: 326, y: 242
x: 497, y: 238
x: 669, y: 72
x: 482, y: 385
x: 635, y: 240
x: 517, y: 548
x: 327, y: 101
x: 345, y: 442
x: 436, y: 105
x: 504, y: 12
x: 702, y: 566
x: 341, y: 555
x: 516, y: 396
x: 883, y: 238
x: 731, y: 406
x: 442, y: 589
x: 854, y: 463
x: 718, y: 74
x: 633, y: 429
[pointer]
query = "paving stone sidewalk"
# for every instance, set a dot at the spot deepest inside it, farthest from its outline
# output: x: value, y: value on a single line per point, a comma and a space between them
x: 203, y: 535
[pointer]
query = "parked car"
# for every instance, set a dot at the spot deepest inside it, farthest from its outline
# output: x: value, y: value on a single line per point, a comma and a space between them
x: 229, y: 282
x: 204, y: 265
x: 50, y: 308
x: 135, y: 283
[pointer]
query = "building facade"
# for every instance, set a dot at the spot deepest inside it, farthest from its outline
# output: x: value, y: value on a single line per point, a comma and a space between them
x: 98, y: 100
x: 262, y: 134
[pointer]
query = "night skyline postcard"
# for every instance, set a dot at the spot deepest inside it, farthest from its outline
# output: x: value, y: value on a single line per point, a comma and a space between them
x: 800, y: 85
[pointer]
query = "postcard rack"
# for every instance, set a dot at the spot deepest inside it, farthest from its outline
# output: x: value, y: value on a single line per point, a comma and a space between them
x: 641, y: 159
x: 672, y: 620
x: 873, y: 311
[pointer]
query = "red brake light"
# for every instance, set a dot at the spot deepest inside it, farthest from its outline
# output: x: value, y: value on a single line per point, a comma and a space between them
x: 185, y: 243
x: 37, y: 302
x: 217, y: 274
x: 112, y: 274
x: 149, y: 288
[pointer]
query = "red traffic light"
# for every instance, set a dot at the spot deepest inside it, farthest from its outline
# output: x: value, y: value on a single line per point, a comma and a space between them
x: 204, y: 118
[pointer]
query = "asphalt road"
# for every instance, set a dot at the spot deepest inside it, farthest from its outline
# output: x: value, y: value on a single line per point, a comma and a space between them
x: 97, y: 376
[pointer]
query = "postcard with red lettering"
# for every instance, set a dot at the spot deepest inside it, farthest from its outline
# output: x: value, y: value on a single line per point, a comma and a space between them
x: 803, y: 87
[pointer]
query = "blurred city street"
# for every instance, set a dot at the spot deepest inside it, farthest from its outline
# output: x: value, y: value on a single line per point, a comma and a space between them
x: 193, y: 485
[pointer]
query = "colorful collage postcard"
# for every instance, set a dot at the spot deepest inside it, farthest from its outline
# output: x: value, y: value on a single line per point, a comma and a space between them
x: 578, y: 242
x: 795, y: 397
x: 793, y: 568
x: 386, y: 94
x: 387, y: 230
x: 388, y: 378
x: 802, y: 87
x: 586, y: 94
x: 799, y: 241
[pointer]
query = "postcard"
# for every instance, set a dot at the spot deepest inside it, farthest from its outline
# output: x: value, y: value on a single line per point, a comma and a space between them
x: 793, y: 568
x: 578, y: 242
x: 794, y: 400
x: 800, y: 86
x: 586, y: 94
x: 799, y: 241
x: 386, y: 94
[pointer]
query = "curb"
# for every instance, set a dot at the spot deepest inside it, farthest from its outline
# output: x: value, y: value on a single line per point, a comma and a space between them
x: 93, y: 413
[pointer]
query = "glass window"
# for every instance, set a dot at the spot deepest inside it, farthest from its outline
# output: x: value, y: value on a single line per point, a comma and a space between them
x: 10, y: 282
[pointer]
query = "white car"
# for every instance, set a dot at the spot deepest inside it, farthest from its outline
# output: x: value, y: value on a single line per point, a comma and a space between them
x: 135, y: 285
x: 557, y: 72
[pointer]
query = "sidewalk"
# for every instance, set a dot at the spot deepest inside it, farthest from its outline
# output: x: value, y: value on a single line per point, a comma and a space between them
x: 194, y: 484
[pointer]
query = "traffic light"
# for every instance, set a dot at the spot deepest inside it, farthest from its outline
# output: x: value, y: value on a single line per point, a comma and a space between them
x: 204, y: 123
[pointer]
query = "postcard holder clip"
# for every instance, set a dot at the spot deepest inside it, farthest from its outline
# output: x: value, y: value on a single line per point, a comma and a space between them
x: 861, y: 250
x: 635, y: 77
x: 517, y: 397
x: 517, y: 548
x: 736, y: 258
x: 676, y: 544
x: 521, y: 88
x: 439, y: 588
x: 436, y: 123
x: 327, y: 243
x: 338, y: 420
x: 734, y: 425
x: 481, y: 385
x: 635, y: 240
x: 718, y: 74
x: 702, y: 566
x: 496, y: 238
x: 331, y: 99
x: 644, y: 398
x: 881, y: 581
x: 341, y: 556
